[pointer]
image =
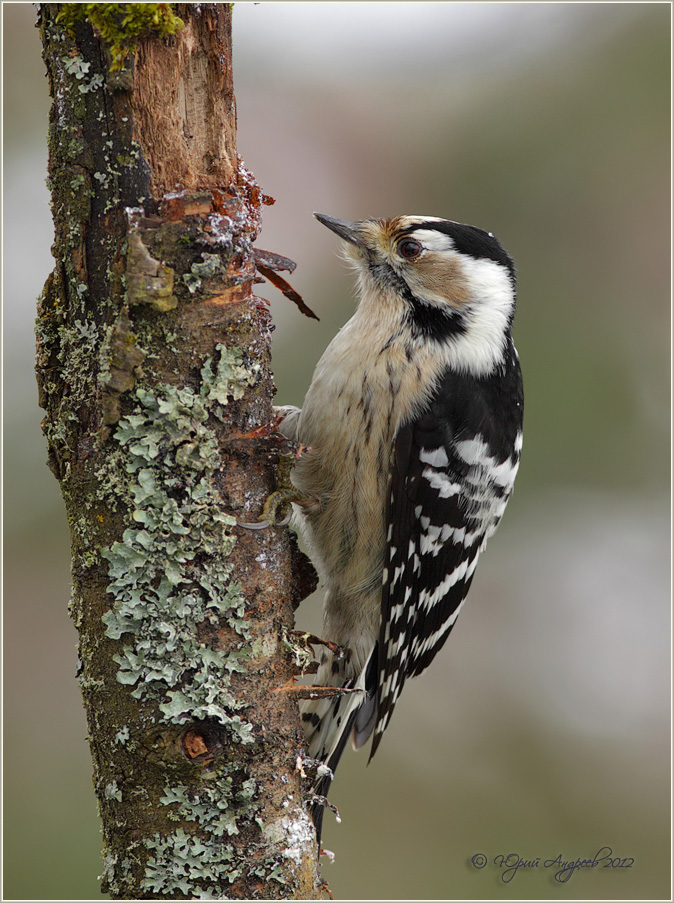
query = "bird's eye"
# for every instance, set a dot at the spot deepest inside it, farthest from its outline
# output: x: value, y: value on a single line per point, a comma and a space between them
x: 409, y: 248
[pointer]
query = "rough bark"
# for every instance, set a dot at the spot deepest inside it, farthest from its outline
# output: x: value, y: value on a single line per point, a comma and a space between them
x: 153, y: 363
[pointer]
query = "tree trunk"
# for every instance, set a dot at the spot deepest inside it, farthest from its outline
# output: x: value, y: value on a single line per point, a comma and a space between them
x: 153, y: 367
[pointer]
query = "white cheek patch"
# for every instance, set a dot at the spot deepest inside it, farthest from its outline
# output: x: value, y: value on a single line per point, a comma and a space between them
x: 485, y: 317
x: 489, y: 281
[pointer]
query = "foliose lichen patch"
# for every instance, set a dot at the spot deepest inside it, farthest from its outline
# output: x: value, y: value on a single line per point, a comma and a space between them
x: 171, y: 455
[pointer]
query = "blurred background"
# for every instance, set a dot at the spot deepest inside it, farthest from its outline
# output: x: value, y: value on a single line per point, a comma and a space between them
x: 542, y: 729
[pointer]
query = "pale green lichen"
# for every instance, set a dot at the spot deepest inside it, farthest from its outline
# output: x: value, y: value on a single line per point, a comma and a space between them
x: 76, y: 66
x: 163, y: 469
x: 122, y: 736
x: 79, y: 68
x: 112, y: 791
x: 93, y: 84
x: 103, y: 178
x: 192, y: 282
x: 157, y: 599
x: 182, y: 862
x: 211, y: 266
x: 229, y: 377
x: 216, y: 808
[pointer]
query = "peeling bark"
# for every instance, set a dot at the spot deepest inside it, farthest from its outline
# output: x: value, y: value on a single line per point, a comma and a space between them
x: 153, y: 366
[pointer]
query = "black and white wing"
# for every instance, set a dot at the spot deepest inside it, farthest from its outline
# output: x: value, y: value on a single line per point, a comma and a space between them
x: 453, y: 470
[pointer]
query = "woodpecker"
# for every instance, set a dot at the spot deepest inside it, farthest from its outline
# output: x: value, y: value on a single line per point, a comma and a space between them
x: 413, y: 432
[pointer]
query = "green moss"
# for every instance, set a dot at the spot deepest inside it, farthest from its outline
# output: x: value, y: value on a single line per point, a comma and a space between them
x: 121, y: 24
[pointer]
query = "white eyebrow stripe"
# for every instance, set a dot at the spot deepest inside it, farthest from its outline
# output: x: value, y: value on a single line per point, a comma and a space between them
x: 417, y: 218
x: 433, y: 241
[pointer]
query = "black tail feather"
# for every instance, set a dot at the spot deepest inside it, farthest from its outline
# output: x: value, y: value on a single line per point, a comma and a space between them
x: 322, y: 786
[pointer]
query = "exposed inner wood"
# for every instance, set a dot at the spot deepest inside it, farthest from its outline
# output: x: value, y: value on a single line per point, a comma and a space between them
x: 184, y: 107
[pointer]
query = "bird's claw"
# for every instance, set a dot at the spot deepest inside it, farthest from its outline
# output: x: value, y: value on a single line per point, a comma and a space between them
x: 317, y: 800
x: 277, y: 509
x: 310, y: 639
x: 313, y: 765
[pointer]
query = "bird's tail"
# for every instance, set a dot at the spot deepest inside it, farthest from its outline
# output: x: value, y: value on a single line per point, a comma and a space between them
x: 328, y: 722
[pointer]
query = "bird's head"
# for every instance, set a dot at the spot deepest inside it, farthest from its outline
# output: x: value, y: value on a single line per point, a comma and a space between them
x: 455, y: 283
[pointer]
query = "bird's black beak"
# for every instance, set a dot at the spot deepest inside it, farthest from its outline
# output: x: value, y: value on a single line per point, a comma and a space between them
x: 347, y: 231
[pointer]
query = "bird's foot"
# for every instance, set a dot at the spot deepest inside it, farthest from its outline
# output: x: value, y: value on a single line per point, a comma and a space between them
x: 310, y: 639
x: 277, y: 509
x: 301, y: 645
x: 317, y: 800
x: 317, y: 766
